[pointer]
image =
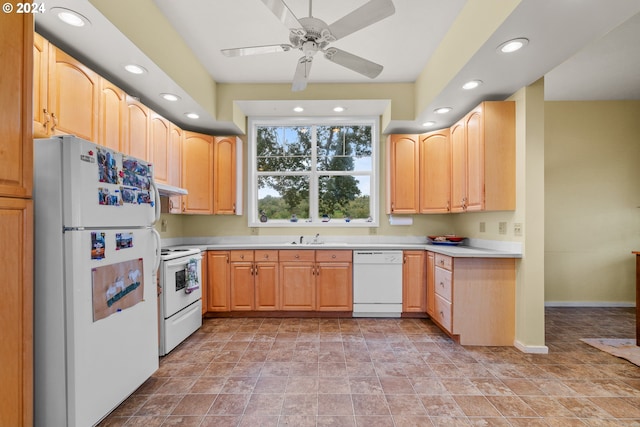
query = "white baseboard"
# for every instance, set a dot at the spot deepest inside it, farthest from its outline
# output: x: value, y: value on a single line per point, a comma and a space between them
x: 588, y: 304
x: 533, y: 349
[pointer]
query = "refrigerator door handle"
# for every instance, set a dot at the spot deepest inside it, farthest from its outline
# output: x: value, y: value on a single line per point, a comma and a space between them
x: 156, y: 204
x: 156, y: 235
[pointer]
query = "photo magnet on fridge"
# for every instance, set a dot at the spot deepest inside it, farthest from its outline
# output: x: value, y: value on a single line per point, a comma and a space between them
x: 97, y: 245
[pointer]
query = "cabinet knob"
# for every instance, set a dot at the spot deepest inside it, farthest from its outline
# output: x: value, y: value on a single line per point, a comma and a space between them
x: 297, y: 256
x: 242, y: 256
x: 333, y: 256
x: 55, y: 122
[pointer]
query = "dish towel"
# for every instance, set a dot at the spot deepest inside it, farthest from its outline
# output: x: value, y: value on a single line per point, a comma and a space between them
x: 192, y: 276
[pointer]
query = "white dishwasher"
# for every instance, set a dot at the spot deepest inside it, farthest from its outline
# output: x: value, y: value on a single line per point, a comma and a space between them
x: 377, y: 283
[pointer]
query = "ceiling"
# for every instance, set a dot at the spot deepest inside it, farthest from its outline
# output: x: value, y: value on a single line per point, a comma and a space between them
x: 585, y: 49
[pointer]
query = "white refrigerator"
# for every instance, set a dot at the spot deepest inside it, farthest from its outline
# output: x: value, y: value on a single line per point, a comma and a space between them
x: 95, y: 295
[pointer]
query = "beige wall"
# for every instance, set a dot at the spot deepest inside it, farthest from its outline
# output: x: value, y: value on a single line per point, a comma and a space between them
x: 592, y: 174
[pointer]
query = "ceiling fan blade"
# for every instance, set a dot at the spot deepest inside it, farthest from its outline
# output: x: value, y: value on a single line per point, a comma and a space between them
x: 365, y: 15
x: 353, y: 62
x: 283, y: 13
x: 256, y: 50
x: 302, y: 74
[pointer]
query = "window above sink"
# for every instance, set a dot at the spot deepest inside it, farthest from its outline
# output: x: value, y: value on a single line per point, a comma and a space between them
x: 313, y: 172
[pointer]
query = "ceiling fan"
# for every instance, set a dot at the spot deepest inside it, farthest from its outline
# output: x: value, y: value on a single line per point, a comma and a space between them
x: 311, y: 35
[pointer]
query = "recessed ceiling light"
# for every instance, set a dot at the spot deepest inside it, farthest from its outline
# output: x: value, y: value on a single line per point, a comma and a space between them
x: 70, y: 17
x: 338, y: 109
x: 170, y: 97
x: 192, y: 115
x: 472, y: 84
x: 298, y: 109
x: 135, y: 69
x: 442, y: 110
x: 513, y: 45
x: 429, y: 124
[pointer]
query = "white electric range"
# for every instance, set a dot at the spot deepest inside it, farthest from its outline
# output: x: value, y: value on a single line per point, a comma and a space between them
x: 180, y: 275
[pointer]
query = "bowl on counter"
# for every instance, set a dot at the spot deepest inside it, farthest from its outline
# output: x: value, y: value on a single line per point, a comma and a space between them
x: 447, y: 239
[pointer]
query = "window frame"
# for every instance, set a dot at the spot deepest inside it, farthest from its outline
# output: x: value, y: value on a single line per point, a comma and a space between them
x: 252, y: 175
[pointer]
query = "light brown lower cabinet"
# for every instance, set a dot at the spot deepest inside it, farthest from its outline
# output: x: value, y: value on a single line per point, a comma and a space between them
x: 285, y: 280
x: 414, y: 283
x: 473, y: 298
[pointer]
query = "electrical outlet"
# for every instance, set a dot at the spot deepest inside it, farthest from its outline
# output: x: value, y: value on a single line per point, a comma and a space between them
x: 254, y: 231
x: 517, y: 229
x: 483, y: 227
x: 373, y: 230
x: 163, y: 225
x: 502, y: 227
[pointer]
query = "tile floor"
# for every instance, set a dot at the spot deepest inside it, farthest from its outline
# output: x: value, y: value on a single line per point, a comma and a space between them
x: 387, y: 372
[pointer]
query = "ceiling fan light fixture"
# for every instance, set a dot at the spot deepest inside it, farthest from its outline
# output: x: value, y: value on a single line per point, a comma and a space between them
x: 71, y: 17
x: 170, y: 97
x: 513, y: 45
x: 135, y: 69
x: 442, y: 110
x: 472, y: 84
x: 192, y: 116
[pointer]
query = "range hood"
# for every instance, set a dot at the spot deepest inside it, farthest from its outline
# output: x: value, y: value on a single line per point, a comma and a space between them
x: 170, y: 190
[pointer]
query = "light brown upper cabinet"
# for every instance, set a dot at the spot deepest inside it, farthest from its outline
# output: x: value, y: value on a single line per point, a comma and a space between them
x: 403, y: 174
x: 435, y: 172
x: 197, y: 173
x: 224, y: 175
x: 159, y: 140
x: 137, y: 140
x: 458, y: 167
x: 112, y: 123
x: 175, y: 170
x: 41, y: 115
x: 483, y: 159
x: 73, y: 97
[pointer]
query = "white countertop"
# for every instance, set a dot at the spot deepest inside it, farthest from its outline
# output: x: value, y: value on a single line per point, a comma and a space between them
x: 472, y: 248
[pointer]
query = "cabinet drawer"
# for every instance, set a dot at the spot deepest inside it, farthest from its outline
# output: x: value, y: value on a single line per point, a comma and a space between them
x: 331, y: 255
x: 443, y: 283
x: 443, y: 313
x: 444, y: 261
x: 239, y: 256
x: 266, y: 255
x: 296, y: 255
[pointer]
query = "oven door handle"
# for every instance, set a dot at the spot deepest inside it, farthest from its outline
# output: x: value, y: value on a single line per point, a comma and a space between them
x: 182, y: 261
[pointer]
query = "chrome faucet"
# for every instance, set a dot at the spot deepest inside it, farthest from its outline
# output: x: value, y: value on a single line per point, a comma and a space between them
x: 301, y: 239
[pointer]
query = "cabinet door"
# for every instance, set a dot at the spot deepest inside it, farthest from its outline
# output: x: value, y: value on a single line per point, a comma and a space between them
x: 218, y: 283
x: 74, y: 93
x: 431, y: 289
x: 197, y: 173
x: 112, y: 125
x: 297, y: 280
x: 475, y: 160
x: 16, y: 107
x: 224, y: 175
x: 458, y: 168
x: 159, y: 129
x: 266, y: 286
x: 41, y: 114
x: 16, y: 308
x: 205, y: 282
x: 137, y: 141
x: 175, y: 166
x: 334, y: 286
x: 414, y: 286
x: 403, y: 174
x: 242, y: 286
x: 435, y: 172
